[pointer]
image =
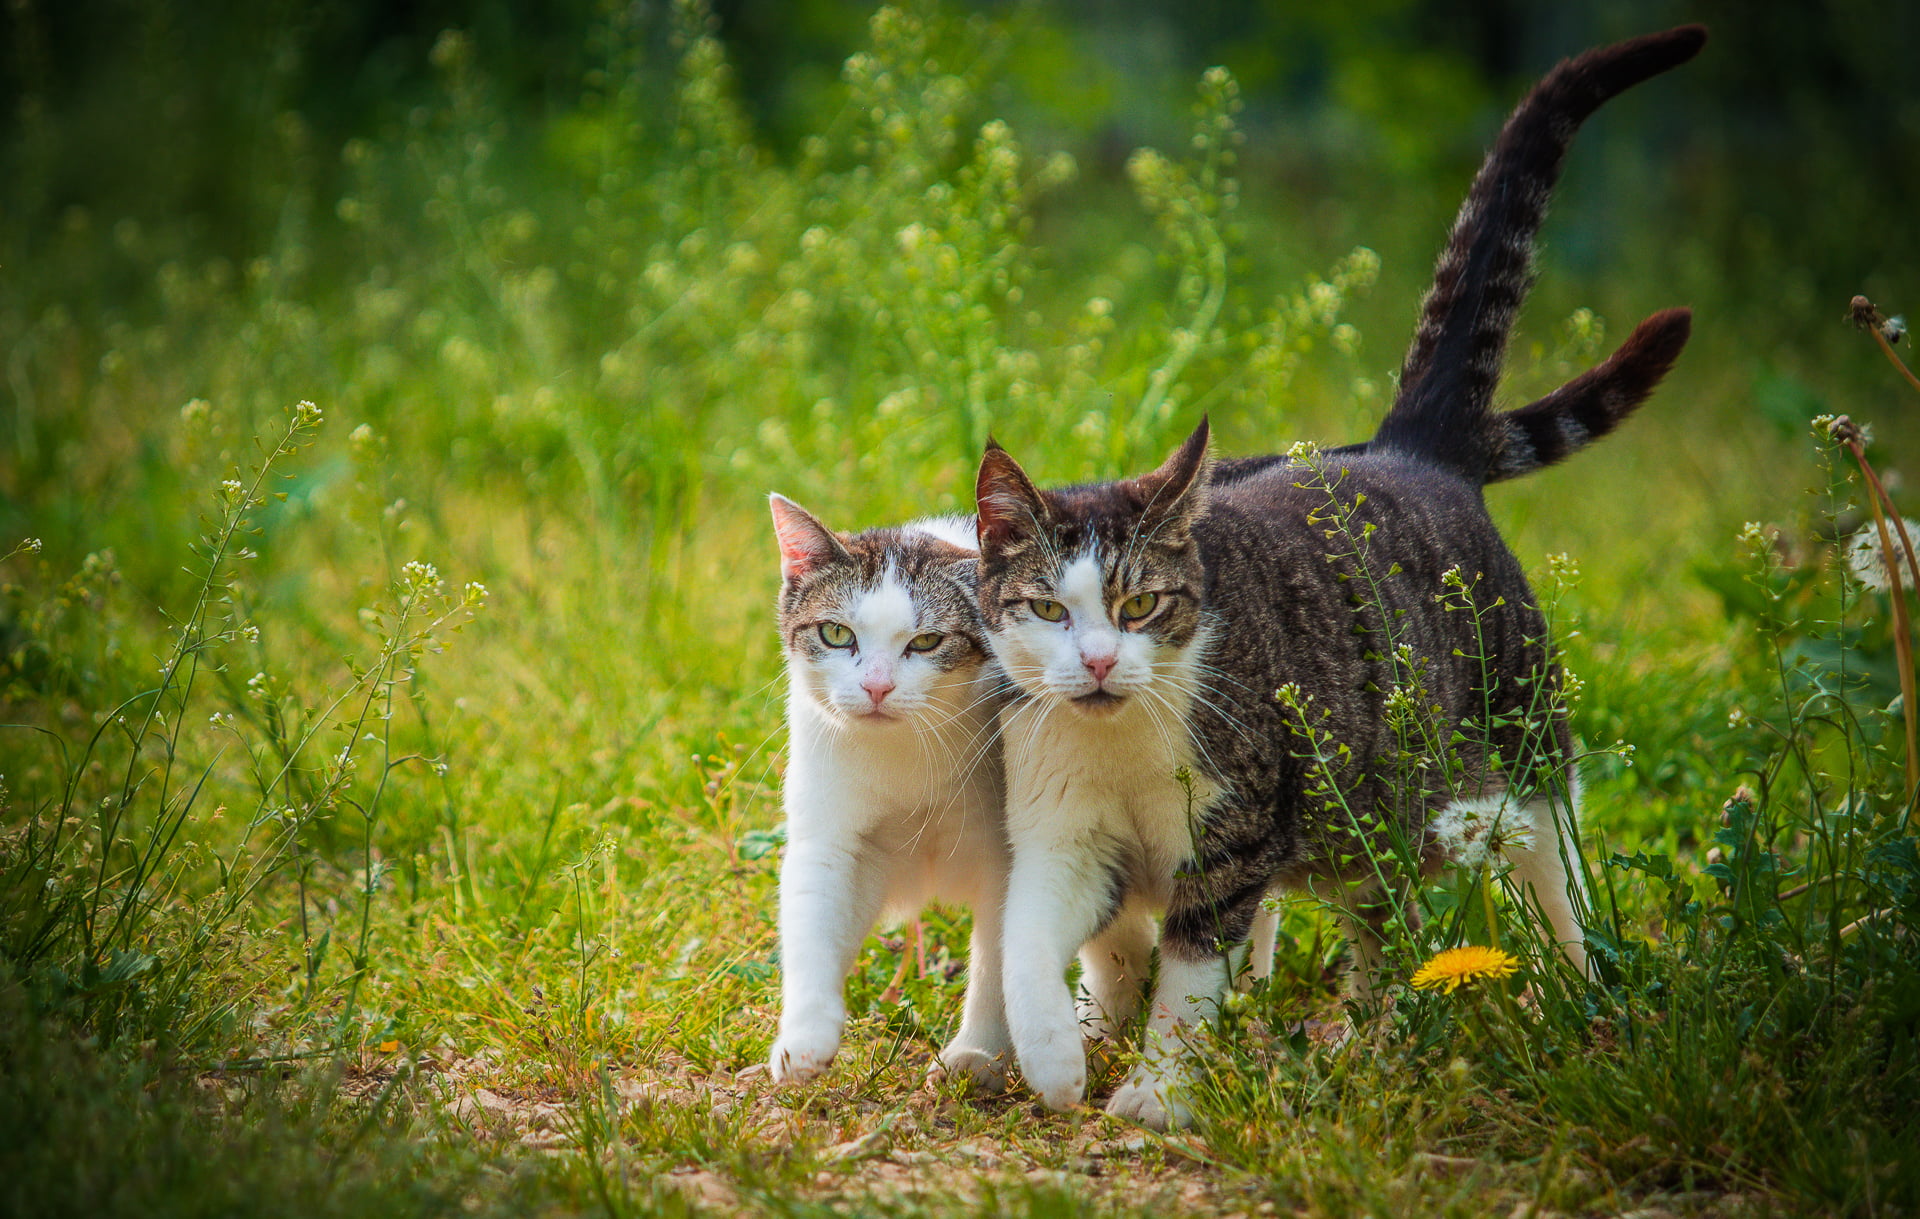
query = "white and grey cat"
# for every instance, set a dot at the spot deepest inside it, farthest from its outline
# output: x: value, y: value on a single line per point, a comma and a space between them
x: 893, y: 789
x: 1147, y: 625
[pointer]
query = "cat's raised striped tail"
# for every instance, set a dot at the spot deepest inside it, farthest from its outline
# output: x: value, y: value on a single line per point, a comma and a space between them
x: 1443, y: 410
x: 1589, y: 406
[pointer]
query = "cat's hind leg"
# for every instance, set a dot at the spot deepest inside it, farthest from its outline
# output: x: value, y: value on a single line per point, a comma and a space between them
x: 1195, y: 974
x: 1367, y: 911
x: 1265, y: 933
x: 1547, y: 875
x: 982, y: 1049
x: 1114, y: 968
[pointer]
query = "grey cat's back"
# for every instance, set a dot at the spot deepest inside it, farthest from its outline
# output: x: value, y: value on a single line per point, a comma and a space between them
x: 1303, y: 589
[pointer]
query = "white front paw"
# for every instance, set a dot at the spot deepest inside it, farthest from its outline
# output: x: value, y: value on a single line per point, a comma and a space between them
x: 984, y: 1068
x: 1057, y: 1070
x: 1151, y: 1099
x: 802, y: 1055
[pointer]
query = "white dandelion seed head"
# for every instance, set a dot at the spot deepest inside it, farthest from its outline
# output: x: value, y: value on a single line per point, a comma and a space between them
x: 1868, y: 561
x: 1474, y: 833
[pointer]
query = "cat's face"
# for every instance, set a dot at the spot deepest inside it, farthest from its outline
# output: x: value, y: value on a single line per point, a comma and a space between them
x: 1093, y: 595
x: 882, y: 627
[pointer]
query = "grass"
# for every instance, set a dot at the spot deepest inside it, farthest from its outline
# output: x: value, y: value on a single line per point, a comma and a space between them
x: 306, y: 893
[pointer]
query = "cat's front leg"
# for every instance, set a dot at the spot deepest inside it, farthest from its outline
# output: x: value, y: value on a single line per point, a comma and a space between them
x: 830, y: 893
x: 1195, y: 975
x: 1056, y: 899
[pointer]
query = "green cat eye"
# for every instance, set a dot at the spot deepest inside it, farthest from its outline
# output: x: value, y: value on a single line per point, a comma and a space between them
x: 1049, y: 611
x: 1138, y: 606
x: 835, y: 635
x: 925, y: 643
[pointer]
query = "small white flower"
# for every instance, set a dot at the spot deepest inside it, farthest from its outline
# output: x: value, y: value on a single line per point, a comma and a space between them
x: 1303, y: 450
x: 418, y: 576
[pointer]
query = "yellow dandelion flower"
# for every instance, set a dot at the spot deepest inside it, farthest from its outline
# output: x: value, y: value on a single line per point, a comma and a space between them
x: 1463, y: 966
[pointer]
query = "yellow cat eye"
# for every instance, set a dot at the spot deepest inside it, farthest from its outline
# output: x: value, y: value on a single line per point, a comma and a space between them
x: 1138, y: 606
x: 1049, y: 611
x: 836, y: 635
x: 925, y: 643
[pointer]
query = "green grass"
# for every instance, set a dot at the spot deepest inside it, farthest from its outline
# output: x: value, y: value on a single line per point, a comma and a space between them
x: 328, y: 877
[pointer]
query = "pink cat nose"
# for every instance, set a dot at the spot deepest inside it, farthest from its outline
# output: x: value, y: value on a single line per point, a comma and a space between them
x: 1099, y: 666
x: 877, y: 686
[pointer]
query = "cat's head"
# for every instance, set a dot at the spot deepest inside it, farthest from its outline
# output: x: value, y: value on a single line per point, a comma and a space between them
x: 1092, y: 595
x: 879, y: 627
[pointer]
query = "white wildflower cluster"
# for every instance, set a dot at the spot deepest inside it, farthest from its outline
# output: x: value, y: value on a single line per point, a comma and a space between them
x: 1303, y: 450
x: 1867, y: 559
x: 417, y: 577
x: 473, y: 594
x: 1571, y: 686
x: 306, y: 414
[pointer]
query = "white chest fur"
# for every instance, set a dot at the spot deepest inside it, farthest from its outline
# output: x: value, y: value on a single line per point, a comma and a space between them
x: 1126, y: 781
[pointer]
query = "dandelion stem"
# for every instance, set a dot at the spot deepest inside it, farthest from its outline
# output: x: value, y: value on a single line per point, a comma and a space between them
x: 1869, y: 319
x: 1845, y: 431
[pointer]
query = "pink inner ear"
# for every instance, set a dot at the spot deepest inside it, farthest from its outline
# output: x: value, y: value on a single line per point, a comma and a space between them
x: 804, y: 544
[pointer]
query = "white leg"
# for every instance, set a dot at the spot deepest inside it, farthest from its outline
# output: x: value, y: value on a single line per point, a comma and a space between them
x: 982, y: 1049
x: 1187, y: 995
x: 1055, y: 897
x: 830, y: 893
x: 1261, y: 938
x: 1546, y: 875
x: 1114, y: 969
x: 1363, y: 911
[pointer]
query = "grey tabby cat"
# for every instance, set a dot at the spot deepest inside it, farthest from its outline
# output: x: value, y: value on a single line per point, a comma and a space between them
x: 1147, y: 626
x: 893, y: 784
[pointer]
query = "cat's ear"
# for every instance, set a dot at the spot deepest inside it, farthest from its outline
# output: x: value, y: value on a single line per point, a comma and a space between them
x: 1010, y: 506
x: 804, y: 542
x: 1176, y: 493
